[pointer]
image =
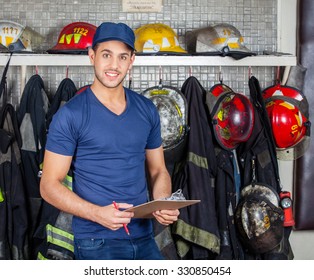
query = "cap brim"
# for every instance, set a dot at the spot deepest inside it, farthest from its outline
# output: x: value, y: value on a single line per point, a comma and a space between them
x: 114, y: 39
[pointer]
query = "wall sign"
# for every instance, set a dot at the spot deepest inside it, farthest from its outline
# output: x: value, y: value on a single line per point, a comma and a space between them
x: 142, y: 6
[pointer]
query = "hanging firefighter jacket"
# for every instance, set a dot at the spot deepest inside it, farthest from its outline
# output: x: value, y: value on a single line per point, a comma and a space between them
x: 260, y: 145
x: 196, y: 232
x: 259, y: 154
x: 64, y: 93
x: 32, y: 123
x: 226, y: 201
x: 226, y: 181
x: 54, y: 236
x: 13, y: 203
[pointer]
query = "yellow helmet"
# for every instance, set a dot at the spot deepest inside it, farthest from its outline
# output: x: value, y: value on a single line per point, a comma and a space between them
x: 157, y: 38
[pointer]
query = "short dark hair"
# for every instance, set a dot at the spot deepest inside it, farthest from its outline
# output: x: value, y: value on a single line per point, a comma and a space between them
x: 129, y: 48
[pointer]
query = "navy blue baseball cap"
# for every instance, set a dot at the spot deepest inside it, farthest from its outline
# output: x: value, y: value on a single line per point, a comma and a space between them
x: 109, y: 31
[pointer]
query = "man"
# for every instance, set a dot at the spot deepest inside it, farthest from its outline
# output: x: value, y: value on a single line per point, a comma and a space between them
x: 107, y: 134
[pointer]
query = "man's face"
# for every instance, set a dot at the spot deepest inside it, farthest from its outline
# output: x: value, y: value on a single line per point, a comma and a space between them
x: 111, y: 61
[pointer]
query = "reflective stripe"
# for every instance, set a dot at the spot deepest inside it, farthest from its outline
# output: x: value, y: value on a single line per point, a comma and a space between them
x: 60, y: 237
x: 1, y: 196
x: 40, y: 256
x: 68, y: 182
x: 198, y: 160
x: 194, y: 235
x: 193, y: 158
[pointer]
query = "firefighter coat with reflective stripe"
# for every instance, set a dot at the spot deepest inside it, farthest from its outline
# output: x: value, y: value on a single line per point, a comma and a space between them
x: 261, y: 148
x: 32, y: 122
x: 54, y: 234
x: 196, y: 231
x: 13, y: 205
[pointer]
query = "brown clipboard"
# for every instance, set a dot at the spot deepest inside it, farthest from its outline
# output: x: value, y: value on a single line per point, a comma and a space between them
x: 145, y: 210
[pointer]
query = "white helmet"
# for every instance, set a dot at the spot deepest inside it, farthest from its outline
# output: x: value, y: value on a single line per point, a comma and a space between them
x: 16, y: 37
x: 220, y: 39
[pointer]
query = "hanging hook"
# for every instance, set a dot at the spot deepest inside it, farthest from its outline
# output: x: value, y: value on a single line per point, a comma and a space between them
x: 36, y: 69
x: 250, y: 72
x: 67, y: 72
x: 220, y: 76
x: 160, y: 77
x: 278, y: 75
x: 130, y: 78
x: 190, y: 71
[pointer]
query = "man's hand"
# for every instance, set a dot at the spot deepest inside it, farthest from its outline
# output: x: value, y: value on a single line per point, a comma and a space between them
x: 113, y: 218
x: 166, y: 217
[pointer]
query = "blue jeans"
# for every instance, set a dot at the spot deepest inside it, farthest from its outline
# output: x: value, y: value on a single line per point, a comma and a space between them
x: 144, y: 248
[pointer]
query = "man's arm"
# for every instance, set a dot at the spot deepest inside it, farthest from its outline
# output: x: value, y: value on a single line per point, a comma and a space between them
x: 55, y: 168
x: 160, y: 183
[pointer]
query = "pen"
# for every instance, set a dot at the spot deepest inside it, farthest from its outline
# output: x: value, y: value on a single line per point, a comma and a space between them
x: 124, y: 225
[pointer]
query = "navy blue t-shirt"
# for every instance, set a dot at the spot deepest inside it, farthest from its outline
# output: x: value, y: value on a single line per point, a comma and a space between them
x: 108, y: 155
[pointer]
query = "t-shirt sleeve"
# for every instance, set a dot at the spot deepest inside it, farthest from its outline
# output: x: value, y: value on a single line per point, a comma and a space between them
x: 61, y: 137
x: 154, y: 140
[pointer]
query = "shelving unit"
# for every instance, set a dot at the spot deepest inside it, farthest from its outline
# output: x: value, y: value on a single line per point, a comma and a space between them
x: 25, y: 60
x: 83, y: 60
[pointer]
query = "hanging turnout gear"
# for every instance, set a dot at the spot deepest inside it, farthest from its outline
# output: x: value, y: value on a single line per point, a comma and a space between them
x: 13, y: 203
x: 64, y: 93
x: 54, y: 235
x: 75, y: 38
x: 172, y: 108
x: 259, y: 154
x: 32, y: 124
x: 197, y: 238
x: 227, y: 180
x: 16, y: 37
x: 157, y: 38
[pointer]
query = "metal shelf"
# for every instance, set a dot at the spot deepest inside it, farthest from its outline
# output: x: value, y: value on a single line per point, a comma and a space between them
x: 27, y: 59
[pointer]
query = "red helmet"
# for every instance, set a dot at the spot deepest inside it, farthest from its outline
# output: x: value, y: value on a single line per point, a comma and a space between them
x: 287, y: 109
x: 76, y: 37
x: 233, y: 118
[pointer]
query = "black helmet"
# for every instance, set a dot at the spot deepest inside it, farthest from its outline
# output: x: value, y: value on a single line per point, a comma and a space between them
x: 172, y: 108
x: 259, y: 218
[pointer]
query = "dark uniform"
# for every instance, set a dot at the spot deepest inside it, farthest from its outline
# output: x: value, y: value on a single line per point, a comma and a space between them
x: 196, y: 232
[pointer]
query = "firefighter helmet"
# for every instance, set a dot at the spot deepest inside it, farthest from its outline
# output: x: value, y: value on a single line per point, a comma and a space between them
x: 288, y: 113
x: 157, y: 38
x: 232, y: 117
x: 259, y: 219
x: 16, y: 37
x: 75, y: 38
x: 172, y: 108
x: 220, y: 39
